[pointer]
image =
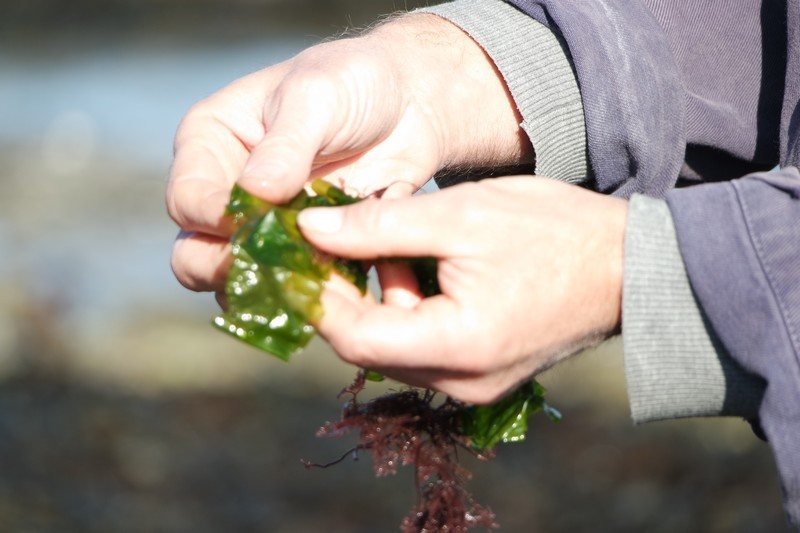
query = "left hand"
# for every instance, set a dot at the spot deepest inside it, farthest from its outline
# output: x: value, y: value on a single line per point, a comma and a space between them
x: 396, y: 104
x: 530, y: 271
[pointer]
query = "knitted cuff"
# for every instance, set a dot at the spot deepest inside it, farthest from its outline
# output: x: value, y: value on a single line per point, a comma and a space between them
x: 536, y: 68
x: 675, y: 365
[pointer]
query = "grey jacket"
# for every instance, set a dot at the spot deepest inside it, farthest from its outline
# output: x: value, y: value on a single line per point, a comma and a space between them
x: 686, y: 108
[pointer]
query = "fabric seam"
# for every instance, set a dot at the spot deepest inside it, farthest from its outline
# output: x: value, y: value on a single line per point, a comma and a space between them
x: 766, y: 271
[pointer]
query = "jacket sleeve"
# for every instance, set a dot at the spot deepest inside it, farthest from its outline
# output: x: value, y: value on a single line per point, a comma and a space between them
x: 675, y: 366
x: 674, y: 92
x: 740, y: 242
x: 711, y: 92
x: 632, y: 91
x: 536, y: 69
x: 664, y: 105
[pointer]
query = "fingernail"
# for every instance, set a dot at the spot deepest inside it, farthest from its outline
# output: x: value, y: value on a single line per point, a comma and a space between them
x: 321, y: 219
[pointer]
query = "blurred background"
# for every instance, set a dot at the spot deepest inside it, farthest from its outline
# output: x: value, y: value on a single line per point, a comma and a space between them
x: 121, y: 409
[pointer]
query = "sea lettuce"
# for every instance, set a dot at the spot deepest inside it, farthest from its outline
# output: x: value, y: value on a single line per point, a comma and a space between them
x: 507, y: 419
x: 275, y: 282
x: 273, y: 298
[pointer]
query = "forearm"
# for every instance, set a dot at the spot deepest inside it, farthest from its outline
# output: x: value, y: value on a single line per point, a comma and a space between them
x: 449, y: 77
x: 741, y: 248
x: 675, y: 364
x: 536, y: 68
x: 733, y: 93
x: 538, y: 72
x: 632, y: 92
x: 718, y: 336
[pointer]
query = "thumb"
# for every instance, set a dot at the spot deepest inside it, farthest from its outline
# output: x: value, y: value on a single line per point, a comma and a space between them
x: 279, y: 165
x: 372, y: 229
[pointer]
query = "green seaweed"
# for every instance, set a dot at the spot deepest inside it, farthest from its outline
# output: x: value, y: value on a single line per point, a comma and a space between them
x: 276, y: 279
x: 507, y: 419
x: 273, y: 299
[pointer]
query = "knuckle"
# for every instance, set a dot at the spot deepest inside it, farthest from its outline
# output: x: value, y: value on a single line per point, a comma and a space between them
x: 181, y: 273
x: 185, y: 270
x: 173, y: 208
x: 283, y: 145
x: 180, y: 196
x: 179, y: 269
x: 372, y: 216
x: 186, y: 126
x: 197, y: 206
x: 315, y: 85
x: 384, y: 221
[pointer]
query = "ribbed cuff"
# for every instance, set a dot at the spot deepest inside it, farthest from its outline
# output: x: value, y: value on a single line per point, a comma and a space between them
x: 538, y: 73
x: 675, y: 365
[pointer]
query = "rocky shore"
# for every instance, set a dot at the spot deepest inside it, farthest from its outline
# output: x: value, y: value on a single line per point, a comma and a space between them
x: 81, y: 456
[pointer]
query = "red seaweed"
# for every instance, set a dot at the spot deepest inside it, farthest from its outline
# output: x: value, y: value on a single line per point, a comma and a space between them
x: 409, y: 428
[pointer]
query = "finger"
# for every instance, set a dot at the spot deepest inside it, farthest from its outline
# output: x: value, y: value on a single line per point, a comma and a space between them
x: 201, y: 262
x: 212, y: 145
x: 468, y: 387
x: 399, y: 189
x: 377, y: 172
x: 208, y: 160
x: 411, y: 227
x: 197, y: 204
x: 345, y: 288
x: 372, y: 335
x: 399, y: 285
x: 399, y: 164
x: 363, y: 177
x: 222, y: 299
x: 298, y: 122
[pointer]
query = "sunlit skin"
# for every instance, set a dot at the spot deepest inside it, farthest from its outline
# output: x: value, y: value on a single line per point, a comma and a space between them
x: 530, y: 269
x: 365, y: 112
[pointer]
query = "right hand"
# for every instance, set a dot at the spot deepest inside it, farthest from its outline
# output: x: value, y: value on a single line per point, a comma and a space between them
x: 530, y: 272
x: 397, y: 104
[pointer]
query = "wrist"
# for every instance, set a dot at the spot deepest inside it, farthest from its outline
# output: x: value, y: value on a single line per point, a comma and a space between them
x: 466, y: 102
x: 617, y: 221
x: 603, y: 267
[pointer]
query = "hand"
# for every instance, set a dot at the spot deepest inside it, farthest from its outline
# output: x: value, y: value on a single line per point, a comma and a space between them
x: 396, y: 105
x: 530, y: 271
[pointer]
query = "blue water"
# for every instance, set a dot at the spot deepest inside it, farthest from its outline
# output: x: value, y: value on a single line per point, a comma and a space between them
x: 135, y: 97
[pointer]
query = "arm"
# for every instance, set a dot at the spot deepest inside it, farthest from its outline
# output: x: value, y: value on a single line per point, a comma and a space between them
x: 739, y: 241
x: 734, y: 123
x: 676, y: 105
x: 675, y: 364
x: 741, y: 245
x: 669, y: 374
x: 634, y: 124
x: 396, y: 104
x: 632, y: 91
x: 535, y: 66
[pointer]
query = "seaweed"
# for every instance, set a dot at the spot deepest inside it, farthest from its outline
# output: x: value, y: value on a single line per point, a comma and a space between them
x: 275, y: 282
x: 273, y: 294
